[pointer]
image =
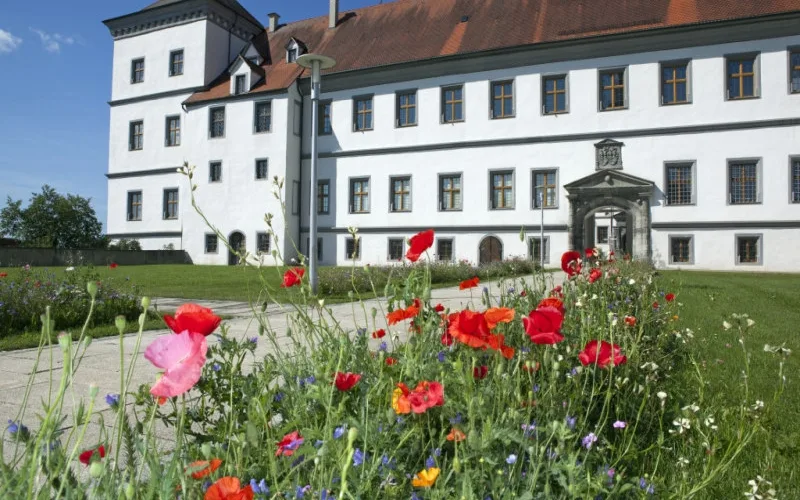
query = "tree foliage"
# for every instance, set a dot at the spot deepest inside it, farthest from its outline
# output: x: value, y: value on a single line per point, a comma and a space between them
x: 52, y: 220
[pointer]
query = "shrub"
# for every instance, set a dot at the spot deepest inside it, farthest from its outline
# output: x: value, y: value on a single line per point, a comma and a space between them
x: 26, y: 292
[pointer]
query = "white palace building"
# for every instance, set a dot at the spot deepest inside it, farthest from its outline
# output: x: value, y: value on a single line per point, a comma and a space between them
x: 666, y: 129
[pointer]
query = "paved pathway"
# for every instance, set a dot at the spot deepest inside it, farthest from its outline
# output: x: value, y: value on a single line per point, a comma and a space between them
x: 101, y: 363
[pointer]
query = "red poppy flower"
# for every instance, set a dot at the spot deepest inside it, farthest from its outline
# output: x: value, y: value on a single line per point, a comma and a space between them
x: 630, y: 320
x: 390, y: 361
x: 543, y: 325
x: 379, y: 334
x: 418, y: 244
x: 439, y: 308
x: 425, y: 396
x: 228, y: 488
x: 289, y: 444
x: 602, y: 354
x: 595, y: 275
x: 447, y: 339
x: 470, y: 283
x: 113, y: 265
x: 480, y: 372
x: 523, y: 293
x: 655, y: 305
x: 496, y: 315
x: 591, y: 253
x: 194, y: 318
x: 469, y: 327
x: 292, y: 277
x: 571, y: 263
x: 86, y: 457
x: 399, y: 315
x: 346, y: 381
x: 557, y: 292
x: 552, y: 302
x: 531, y: 367
x: 204, y: 468
x: 456, y: 435
x: 3, y: 275
x: 669, y: 297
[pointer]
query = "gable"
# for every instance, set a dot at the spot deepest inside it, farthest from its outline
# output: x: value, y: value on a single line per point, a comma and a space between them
x: 609, y: 180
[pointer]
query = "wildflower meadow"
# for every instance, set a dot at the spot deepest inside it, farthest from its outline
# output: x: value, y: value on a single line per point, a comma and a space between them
x: 584, y: 389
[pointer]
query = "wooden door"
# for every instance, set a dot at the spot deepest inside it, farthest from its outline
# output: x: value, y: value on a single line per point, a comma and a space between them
x: 491, y: 250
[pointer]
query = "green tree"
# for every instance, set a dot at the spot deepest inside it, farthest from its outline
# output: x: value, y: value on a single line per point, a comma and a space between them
x: 52, y: 220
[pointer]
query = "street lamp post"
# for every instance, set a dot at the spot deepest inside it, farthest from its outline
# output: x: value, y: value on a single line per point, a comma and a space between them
x: 316, y: 63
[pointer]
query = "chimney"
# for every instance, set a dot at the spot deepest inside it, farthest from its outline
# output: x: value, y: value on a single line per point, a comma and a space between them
x: 273, y: 21
x: 333, y: 14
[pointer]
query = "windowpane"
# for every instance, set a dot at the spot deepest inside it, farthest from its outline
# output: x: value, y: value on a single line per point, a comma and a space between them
x: 359, y: 189
x: 602, y: 234
x: 741, y: 77
x: 743, y: 183
x: 262, y: 167
x: 554, y: 94
x: 170, y: 203
x: 612, y: 87
x: 444, y: 250
x: 325, y: 126
x: 396, y: 249
x: 240, y: 84
x: 680, y: 249
x: 323, y: 197
x: 544, y: 184
x: 173, y: 131
x: 263, y: 116
x: 137, y: 71
x: 135, y: 206
x: 363, y: 112
x: 176, y: 63
x: 262, y: 243
x: 794, y: 62
x: 450, y: 192
x: 211, y: 243
x: 795, y: 181
x: 502, y: 100
x: 453, y: 102
x: 217, y: 122
x: 535, y: 249
x: 352, y: 249
x: 215, y: 171
x: 502, y: 193
x: 136, y: 139
x: 748, y: 249
x: 679, y: 184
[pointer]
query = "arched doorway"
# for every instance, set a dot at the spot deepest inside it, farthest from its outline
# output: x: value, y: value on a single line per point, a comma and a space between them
x: 491, y: 250
x: 607, y: 229
x: 611, y: 192
x: 236, y: 241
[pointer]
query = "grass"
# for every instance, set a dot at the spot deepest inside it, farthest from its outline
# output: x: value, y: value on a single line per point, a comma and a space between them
x: 773, y: 302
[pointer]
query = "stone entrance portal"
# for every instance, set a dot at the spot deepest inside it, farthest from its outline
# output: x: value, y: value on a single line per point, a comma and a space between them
x: 626, y: 200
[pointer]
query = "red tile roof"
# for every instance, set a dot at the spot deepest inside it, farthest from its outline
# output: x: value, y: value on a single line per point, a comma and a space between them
x: 409, y: 30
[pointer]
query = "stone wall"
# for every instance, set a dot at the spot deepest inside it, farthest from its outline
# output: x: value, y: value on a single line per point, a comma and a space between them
x: 11, y: 257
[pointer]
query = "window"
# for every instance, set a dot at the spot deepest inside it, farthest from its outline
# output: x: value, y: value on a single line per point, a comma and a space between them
x: 554, y: 96
x: 325, y: 123
x: 136, y: 136
x: 396, y: 248
x: 319, y: 248
x: 173, y: 131
x: 679, y: 184
x: 444, y: 250
x: 453, y: 104
x: 741, y: 75
x: 240, y: 84
x: 748, y: 249
x: 535, y: 249
x: 794, y: 71
x: 170, y: 204
x: 612, y: 89
x: 544, y: 185
x: 359, y: 195
x: 217, y: 122
x: 135, y: 205
x: 323, y: 196
x: 503, y: 99
x: 795, y: 180
x: 215, y: 171
x: 407, y: 108
x: 211, y: 243
x: 743, y: 183
x: 401, y: 194
x: 176, y: 63
x: 352, y: 249
x: 263, y: 116
x: 602, y: 234
x: 137, y: 70
x: 262, y: 169
x: 502, y: 190
x: 450, y: 192
x: 291, y: 54
x: 675, y: 83
x: 362, y: 113
x: 680, y: 250
x: 262, y: 243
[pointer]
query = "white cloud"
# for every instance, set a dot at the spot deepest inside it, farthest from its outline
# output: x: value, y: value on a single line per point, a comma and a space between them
x: 52, y: 42
x: 8, y: 42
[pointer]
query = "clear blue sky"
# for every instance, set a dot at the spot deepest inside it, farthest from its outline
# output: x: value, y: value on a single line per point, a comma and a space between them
x: 55, y: 82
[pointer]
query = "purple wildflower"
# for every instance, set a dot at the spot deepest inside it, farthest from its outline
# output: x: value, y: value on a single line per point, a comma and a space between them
x: 589, y: 440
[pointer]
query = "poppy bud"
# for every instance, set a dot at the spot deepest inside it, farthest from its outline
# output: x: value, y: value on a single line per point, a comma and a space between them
x: 91, y: 287
x: 352, y: 434
x: 206, y: 450
x: 93, y: 389
x: 64, y: 341
x: 456, y: 464
x: 87, y: 341
x: 96, y: 470
x: 120, y: 323
x: 374, y: 313
x: 129, y: 491
x: 145, y: 303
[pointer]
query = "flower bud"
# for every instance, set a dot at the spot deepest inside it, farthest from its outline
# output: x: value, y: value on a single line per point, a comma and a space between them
x: 91, y: 287
x: 64, y: 341
x: 93, y: 390
x: 130, y: 491
x: 352, y: 434
x: 456, y: 464
x: 206, y: 450
x: 96, y: 470
x: 87, y: 341
x: 120, y: 323
x: 145, y: 303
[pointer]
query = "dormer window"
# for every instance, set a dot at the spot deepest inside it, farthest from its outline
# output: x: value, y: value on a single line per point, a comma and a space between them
x: 294, y: 49
x: 241, y: 84
x: 291, y: 55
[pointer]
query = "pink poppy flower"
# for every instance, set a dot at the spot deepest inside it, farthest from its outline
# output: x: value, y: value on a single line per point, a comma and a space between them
x: 182, y: 357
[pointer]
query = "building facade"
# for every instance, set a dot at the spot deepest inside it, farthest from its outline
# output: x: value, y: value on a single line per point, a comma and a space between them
x: 666, y: 129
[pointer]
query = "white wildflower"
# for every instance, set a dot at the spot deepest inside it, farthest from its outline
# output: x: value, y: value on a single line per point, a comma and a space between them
x: 69, y: 269
x: 758, y: 406
x: 649, y: 366
x: 693, y: 407
x: 750, y: 322
x: 682, y: 424
x: 709, y: 422
x: 631, y: 281
x: 726, y: 325
x: 594, y: 296
x: 578, y: 304
x: 661, y: 395
x: 682, y: 461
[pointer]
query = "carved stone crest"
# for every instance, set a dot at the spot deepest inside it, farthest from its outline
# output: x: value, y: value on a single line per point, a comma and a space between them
x: 608, y: 155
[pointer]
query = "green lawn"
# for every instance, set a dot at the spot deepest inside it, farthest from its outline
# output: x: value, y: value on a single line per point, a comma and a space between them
x: 773, y: 302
